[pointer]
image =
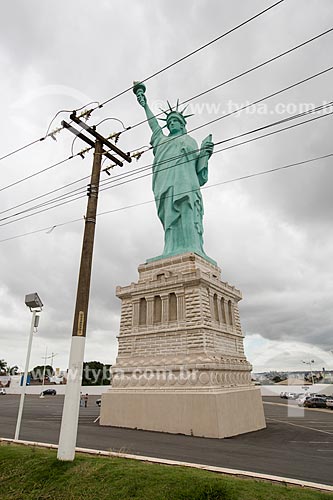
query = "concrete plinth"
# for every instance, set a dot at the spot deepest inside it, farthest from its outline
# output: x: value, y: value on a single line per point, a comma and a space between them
x: 181, y: 366
x: 217, y: 414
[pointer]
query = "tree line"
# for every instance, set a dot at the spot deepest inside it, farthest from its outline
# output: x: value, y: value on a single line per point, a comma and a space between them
x: 94, y: 372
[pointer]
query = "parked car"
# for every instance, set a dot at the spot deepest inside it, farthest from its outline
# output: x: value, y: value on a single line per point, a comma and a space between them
x: 315, y: 402
x: 329, y: 403
x: 301, y: 399
x: 289, y: 395
x: 294, y: 395
x: 49, y: 392
x: 98, y: 402
x: 284, y: 395
x: 2, y: 392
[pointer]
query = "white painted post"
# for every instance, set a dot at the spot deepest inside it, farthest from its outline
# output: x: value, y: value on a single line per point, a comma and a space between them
x: 25, y: 377
x: 70, y: 415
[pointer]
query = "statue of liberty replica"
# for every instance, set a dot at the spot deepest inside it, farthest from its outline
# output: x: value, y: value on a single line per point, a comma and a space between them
x: 181, y: 366
x: 179, y: 169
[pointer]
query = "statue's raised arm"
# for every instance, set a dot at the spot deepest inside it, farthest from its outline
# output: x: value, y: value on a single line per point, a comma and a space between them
x: 139, y: 90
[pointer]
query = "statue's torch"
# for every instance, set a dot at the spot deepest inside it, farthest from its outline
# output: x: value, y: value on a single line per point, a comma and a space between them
x: 139, y: 88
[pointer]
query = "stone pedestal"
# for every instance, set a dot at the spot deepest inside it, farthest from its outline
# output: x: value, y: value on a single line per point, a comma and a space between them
x: 181, y: 366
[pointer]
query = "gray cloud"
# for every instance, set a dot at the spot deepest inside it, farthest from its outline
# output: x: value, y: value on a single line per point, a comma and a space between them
x: 270, y: 234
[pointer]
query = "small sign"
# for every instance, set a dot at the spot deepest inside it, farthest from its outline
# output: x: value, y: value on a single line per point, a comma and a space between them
x: 80, y: 324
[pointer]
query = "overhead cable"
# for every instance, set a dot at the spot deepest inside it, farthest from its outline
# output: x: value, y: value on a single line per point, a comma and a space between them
x: 49, y: 228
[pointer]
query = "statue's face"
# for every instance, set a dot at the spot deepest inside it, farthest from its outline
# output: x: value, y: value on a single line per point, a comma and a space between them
x: 175, y: 126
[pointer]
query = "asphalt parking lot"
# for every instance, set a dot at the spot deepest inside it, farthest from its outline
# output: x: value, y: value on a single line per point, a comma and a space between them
x: 297, y: 442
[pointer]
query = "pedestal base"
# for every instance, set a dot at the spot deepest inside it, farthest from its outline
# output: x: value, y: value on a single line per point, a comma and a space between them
x: 216, y: 414
x: 181, y: 366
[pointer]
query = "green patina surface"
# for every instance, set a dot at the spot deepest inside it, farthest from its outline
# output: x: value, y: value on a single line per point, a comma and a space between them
x: 180, y: 168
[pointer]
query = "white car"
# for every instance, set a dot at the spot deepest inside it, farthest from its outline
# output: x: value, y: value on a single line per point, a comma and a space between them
x: 329, y: 403
x: 2, y: 392
x: 301, y: 399
x: 287, y: 395
x: 291, y: 395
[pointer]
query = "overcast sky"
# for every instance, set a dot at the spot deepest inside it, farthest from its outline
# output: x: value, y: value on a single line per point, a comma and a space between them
x: 271, y: 235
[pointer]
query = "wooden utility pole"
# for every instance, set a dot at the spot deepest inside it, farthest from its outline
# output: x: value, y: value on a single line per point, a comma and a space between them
x: 70, y: 415
x: 83, y: 289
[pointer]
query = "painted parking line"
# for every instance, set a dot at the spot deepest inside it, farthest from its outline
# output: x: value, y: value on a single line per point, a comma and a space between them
x: 316, y: 424
x: 313, y: 442
x: 87, y: 419
x: 298, y: 425
x: 320, y: 421
x: 304, y: 422
x: 278, y: 404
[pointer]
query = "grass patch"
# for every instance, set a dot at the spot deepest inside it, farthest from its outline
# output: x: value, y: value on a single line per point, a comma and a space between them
x: 36, y: 474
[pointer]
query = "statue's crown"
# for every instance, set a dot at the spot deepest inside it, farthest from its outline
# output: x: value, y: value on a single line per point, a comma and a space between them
x: 174, y: 112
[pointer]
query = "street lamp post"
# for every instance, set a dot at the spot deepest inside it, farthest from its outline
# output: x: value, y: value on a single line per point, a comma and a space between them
x: 35, y: 305
x: 310, y: 364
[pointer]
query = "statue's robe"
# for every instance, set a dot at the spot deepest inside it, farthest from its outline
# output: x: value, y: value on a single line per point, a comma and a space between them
x: 176, y: 185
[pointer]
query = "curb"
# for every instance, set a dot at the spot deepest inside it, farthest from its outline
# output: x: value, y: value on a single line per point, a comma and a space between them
x: 221, y: 470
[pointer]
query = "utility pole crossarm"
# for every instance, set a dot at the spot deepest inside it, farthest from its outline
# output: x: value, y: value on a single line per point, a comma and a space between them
x: 98, y: 136
x: 90, y: 142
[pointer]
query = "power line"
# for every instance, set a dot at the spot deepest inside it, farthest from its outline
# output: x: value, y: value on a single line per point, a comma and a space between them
x: 202, y: 93
x: 67, y: 111
x: 40, y: 139
x: 49, y: 229
x: 146, y: 167
x: 21, y: 148
x: 274, y: 132
x: 250, y: 70
x: 45, y: 194
x: 38, y: 172
x: 145, y: 80
x: 41, y: 211
x: 253, y: 103
x: 248, y: 176
x: 279, y: 122
x: 222, y: 149
x: 141, y: 169
x: 202, y: 47
x: 95, y: 126
x: 178, y: 164
x: 238, y: 110
x: 80, y: 153
x: 130, y: 174
x: 65, y: 196
x: 229, y: 181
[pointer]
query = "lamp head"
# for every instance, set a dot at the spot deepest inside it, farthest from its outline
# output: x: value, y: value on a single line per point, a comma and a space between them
x: 33, y: 301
